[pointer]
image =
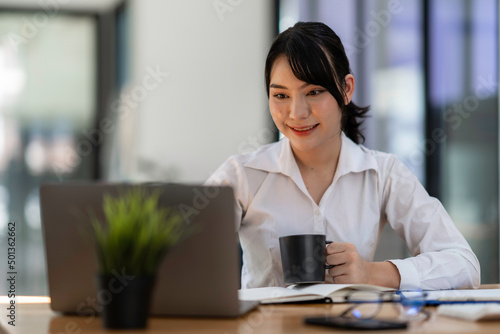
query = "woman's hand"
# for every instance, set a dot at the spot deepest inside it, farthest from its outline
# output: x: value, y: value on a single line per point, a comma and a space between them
x: 350, y: 268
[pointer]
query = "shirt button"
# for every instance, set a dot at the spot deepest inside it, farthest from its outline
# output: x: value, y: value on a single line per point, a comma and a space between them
x: 317, y: 212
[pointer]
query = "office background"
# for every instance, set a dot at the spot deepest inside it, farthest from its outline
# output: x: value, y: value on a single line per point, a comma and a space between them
x: 166, y: 90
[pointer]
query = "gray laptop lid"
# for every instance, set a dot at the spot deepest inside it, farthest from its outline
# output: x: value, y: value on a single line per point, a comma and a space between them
x: 198, y: 277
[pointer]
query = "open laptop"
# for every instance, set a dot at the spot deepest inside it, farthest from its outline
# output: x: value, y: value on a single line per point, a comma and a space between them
x: 199, y: 277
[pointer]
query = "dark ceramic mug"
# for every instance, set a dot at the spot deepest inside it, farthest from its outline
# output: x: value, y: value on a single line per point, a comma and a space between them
x: 303, y: 257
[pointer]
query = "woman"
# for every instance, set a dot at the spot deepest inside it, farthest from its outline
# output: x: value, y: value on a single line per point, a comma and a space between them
x: 320, y: 180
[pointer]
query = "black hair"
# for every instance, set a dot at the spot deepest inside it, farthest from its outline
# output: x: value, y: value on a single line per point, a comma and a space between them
x: 316, y: 56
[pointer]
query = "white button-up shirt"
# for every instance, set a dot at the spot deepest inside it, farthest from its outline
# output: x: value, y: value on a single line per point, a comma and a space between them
x: 370, y: 189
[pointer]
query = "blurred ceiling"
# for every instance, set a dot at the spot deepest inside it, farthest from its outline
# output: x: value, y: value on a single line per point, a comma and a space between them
x: 83, y: 5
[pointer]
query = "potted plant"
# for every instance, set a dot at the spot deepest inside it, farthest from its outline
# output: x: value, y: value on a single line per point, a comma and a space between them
x: 131, y: 241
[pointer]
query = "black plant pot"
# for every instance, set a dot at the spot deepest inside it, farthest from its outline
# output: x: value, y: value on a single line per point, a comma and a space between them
x: 126, y: 303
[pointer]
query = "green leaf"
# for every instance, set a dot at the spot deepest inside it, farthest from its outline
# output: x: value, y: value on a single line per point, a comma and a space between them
x: 136, y: 233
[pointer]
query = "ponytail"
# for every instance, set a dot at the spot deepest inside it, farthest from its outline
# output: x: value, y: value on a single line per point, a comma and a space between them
x: 352, y: 118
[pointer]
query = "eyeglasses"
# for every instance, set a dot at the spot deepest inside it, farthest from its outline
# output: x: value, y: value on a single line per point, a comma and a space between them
x: 368, y: 304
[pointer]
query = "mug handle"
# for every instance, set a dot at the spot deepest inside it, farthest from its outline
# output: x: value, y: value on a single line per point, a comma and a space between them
x: 328, y: 266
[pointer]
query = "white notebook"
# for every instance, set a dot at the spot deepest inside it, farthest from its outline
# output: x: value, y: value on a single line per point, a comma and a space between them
x: 335, y: 293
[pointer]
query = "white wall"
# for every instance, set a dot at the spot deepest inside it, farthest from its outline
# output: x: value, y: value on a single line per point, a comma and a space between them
x: 212, y: 103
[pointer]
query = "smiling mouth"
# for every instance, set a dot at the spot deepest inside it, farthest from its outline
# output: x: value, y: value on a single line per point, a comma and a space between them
x: 305, y: 129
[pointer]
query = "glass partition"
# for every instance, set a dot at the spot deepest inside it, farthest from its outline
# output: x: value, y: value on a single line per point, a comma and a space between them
x: 463, y: 90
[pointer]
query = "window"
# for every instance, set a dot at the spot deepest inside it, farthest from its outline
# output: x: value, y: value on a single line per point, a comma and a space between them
x: 48, y: 91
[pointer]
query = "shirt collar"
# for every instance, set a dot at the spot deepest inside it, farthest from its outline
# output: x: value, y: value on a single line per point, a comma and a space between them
x: 354, y: 158
x: 278, y: 158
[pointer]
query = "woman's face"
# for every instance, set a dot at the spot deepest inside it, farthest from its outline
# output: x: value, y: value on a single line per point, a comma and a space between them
x: 308, y: 115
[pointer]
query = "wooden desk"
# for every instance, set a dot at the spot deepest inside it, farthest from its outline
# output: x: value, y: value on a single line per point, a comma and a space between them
x: 39, y: 319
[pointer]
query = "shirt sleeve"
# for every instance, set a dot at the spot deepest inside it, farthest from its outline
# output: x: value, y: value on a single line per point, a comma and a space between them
x: 442, y: 258
x: 231, y: 173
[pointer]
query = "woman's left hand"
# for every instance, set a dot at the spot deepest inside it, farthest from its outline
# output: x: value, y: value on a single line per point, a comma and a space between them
x: 350, y: 268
